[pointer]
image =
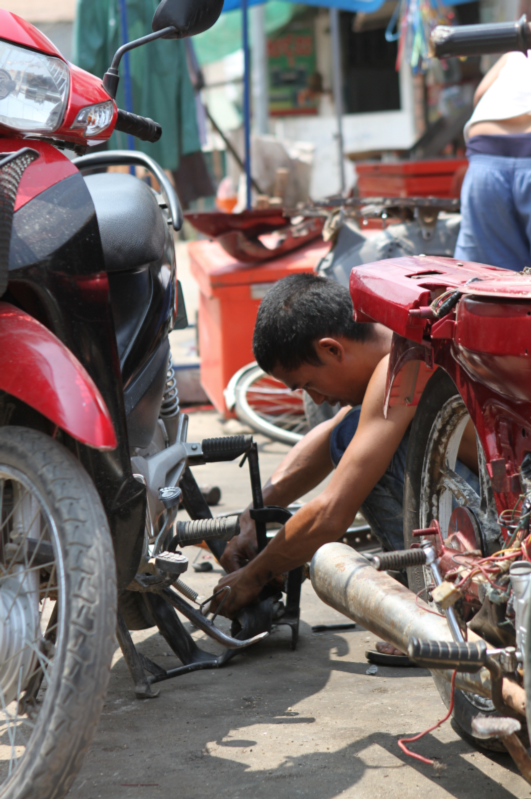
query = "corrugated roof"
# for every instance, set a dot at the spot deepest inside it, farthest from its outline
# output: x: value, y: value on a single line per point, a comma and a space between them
x: 42, y: 10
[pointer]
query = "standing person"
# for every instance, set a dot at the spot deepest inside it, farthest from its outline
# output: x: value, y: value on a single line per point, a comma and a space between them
x: 496, y: 192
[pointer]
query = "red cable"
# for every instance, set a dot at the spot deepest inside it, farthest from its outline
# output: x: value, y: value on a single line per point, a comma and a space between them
x: 403, y: 741
x: 428, y: 610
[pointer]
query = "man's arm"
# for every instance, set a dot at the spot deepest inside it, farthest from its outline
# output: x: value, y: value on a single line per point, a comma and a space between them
x: 326, y: 518
x: 489, y: 78
x: 303, y: 468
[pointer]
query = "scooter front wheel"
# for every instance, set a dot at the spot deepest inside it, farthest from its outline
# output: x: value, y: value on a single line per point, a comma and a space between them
x: 57, y: 614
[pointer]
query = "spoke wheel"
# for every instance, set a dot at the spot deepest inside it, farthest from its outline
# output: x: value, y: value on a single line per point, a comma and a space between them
x: 432, y: 490
x: 57, y: 614
x: 269, y: 407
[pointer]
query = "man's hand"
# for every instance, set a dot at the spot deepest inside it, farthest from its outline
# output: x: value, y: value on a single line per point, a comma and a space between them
x: 243, y: 547
x: 244, y: 589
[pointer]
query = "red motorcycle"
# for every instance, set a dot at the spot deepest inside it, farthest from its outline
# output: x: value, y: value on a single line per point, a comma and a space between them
x: 462, y: 353
x: 94, y: 458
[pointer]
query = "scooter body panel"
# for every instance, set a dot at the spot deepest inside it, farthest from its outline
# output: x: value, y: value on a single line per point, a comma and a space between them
x: 60, y: 389
x: 57, y: 276
x: 24, y: 34
x: 49, y: 169
x: 84, y: 89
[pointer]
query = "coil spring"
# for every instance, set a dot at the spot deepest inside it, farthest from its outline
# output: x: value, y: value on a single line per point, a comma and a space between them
x: 170, y: 398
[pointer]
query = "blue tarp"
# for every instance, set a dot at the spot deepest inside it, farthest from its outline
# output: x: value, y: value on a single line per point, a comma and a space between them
x: 345, y: 5
x: 368, y: 6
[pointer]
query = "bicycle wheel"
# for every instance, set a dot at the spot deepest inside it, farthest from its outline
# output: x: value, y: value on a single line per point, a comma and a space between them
x: 57, y: 614
x: 269, y: 407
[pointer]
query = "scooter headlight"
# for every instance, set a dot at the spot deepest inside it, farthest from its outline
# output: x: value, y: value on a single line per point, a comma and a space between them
x: 95, y: 118
x: 33, y: 89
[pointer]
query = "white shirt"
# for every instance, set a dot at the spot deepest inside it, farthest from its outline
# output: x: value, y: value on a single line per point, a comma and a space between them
x: 509, y: 96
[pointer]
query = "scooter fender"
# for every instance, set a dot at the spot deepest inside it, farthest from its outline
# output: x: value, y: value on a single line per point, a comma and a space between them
x: 37, y: 368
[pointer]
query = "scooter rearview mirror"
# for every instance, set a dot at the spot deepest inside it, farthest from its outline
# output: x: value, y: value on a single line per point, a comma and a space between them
x: 174, y: 19
x: 187, y: 17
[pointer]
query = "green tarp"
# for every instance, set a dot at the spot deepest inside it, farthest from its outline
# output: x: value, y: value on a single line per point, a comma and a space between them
x: 226, y: 35
x: 160, y: 81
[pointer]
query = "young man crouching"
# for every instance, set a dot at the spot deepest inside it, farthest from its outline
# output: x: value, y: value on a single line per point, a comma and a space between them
x: 305, y: 337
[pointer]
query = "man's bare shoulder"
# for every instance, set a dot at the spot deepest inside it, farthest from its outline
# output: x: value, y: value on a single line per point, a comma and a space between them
x: 373, y: 403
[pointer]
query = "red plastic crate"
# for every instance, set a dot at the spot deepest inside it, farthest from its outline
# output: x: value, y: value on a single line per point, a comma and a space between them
x: 430, y: 178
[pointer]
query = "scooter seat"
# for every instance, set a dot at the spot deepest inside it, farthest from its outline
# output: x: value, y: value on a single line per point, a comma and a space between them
x: 131, y: 225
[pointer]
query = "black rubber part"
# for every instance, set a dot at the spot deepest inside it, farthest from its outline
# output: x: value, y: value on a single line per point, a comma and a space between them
x: 143, y: 128
x: 448, y: 651
x: 225, y: 449
x: 332, y: 628
x: 382, y: 659
x: 466, y: 40
x: 401, y: 559
x: 11, y: 170
x: 135, y: 611
x: 189, y: 533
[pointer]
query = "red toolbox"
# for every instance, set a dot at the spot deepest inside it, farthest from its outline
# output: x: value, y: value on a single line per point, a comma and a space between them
x: 229, y: 295
x: 430, y: 178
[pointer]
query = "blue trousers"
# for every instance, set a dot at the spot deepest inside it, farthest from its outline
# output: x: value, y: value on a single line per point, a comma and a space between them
x: 496, y: 212
x: 383, y: 509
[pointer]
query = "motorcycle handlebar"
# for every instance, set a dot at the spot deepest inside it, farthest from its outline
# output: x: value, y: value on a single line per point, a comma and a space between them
x: 141, y: 127
x: 466, y: 40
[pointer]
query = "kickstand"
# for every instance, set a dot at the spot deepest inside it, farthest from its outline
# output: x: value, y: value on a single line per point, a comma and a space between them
x: 134, y: 662
x: 292, y: 614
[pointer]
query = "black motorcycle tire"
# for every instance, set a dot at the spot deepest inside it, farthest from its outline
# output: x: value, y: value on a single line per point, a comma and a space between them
x: 438, y: 391
x: 73, y: 700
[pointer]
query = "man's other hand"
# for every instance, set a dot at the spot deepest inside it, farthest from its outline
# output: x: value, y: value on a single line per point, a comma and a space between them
x: 244, y: 588
x: 243, y: 547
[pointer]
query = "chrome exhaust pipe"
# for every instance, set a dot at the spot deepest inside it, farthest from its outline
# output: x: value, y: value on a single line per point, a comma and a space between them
x: 346, y: 581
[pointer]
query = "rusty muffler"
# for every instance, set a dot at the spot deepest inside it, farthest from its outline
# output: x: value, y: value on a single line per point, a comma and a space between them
x: 346, y: 581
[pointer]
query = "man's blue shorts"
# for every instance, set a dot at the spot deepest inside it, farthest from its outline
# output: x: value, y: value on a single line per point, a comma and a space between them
x: 496, y: 212
x: 383, y: 508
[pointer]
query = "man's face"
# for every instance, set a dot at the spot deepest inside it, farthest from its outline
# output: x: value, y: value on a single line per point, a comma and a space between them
x: 335, y: 380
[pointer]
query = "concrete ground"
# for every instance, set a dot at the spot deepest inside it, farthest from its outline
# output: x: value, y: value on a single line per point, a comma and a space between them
x: 277, y: 723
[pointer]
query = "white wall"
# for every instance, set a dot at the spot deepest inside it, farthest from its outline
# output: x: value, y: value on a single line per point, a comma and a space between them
x: 42, y: 10
x: 375, y: 131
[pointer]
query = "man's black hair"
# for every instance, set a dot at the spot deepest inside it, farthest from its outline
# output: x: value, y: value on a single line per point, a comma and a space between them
x: 297, y: 311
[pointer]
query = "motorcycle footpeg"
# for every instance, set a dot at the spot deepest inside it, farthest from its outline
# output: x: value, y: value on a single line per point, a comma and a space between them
x: 188, y: 533
x: 466, y: 657
x: 401, y: 559
x: 225, y: 449
x: 172, y: 562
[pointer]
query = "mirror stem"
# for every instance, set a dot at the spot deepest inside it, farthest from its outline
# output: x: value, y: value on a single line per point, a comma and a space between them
x: 111, y: 77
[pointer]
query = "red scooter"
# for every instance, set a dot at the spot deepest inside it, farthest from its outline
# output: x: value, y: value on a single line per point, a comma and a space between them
x: 461, y: 352
x: 94, y: 458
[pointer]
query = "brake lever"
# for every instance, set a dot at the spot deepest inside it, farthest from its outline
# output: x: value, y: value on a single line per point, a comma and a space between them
x: 206, y: 625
